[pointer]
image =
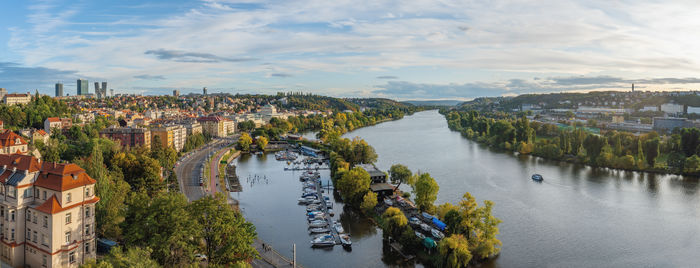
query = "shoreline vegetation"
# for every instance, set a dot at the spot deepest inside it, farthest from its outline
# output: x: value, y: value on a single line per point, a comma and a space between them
x: 675, y: 153
x: 470, y: 236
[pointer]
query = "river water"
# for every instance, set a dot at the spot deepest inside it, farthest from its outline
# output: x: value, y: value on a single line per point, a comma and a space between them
x: 578, y: 217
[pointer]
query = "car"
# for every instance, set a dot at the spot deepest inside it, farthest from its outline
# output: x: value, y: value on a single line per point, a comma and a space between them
x: 200, y: 257
x: 201, y: 182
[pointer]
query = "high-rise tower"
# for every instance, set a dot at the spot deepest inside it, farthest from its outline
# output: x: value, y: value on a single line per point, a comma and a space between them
x: 83, y: 87
x: 59, y: 89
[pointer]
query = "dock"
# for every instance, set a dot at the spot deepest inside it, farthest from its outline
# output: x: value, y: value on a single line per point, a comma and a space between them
x: 305, y: 168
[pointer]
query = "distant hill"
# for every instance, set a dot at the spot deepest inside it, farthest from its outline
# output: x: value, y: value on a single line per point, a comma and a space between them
x: 434, y: 102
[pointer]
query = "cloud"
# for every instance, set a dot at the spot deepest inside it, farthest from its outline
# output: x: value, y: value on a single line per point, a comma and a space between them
x: 387, y: 77
x: 610, y: 80
x: 21, y: 78
x: 280, y: 75
x: 150, y: 77
x: 409, y: 90
x: 184, y: 56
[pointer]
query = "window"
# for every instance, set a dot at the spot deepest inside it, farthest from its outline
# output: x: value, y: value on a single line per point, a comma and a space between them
x: 12, y: 216
x: 67, y: 237
x: 87, y: 229
x: 87, y: 191
x: 36, y: 192
x: 34, y: 237
x: 11, y: 191
x: 43, y: 261
x: 28, y: 193
x: 34, y: 218
x: 43, y: 240
x: 29, y: 215
x: 44, y: 195
x: 87, y: 212
x: 71, y: 257
x: 46, y: 221
x: 68, y: 198
x: 29, y: 234
x: 12, y: 235
x: 87, y: 247
x: 67, y: 218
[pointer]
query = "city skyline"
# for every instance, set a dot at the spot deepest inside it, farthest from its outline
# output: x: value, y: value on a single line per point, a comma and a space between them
x: 416, y: 50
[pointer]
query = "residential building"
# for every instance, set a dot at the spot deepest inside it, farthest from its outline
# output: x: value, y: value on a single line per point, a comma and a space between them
x: 3, y: 92
x: 11, y: 143
x: 83, y: 87
x: 193, y: 128
x: 376, y: 175
x: 47, y: 212
x: 671, y: 108
x: 59, y: 90
x: 57, y: 123
x: 40, y: 135
x: 128, y: 137
x: 169, y: 136
x: 176, y: 93
x: 215, y: 125
x: 17, y: 98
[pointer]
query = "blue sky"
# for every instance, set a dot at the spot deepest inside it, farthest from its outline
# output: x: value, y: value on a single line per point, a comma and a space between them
x: 397, y: 49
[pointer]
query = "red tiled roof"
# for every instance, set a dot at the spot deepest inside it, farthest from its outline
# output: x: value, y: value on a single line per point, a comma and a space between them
x: 41, y: 132
x: 23, y: 95
x: 62, y: 177
x: 19, y: 161
x: 53, y: 119
x: 9, y: 138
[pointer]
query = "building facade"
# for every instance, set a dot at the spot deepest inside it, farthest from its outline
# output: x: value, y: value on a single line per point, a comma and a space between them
x: 216, y: 126
x: 128, y: 137
x: 169, y: 136
x: 82, y: 87
x: 14, y: 99
x: 193, y: 128
x: 47, y: 213
x: 11, y: 143
x: 52, y: 123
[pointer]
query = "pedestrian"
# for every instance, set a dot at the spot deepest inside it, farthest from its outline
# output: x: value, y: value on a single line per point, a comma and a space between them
x: 264, y: 247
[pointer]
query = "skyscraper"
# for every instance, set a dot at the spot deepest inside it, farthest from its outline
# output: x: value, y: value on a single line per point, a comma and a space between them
x: 104, y: 89
x: 59, y: 90
x: 98, y: 92
x: 204, y: 90
x: 176, y: 93
x: 83, y: 87
x: 111, y: 92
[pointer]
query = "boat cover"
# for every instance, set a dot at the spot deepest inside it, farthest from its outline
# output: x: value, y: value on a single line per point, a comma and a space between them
x: 429, y: 243
x: 440, y: 225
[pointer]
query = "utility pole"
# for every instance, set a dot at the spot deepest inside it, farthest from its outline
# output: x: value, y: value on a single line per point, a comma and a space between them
x: 294, y: 260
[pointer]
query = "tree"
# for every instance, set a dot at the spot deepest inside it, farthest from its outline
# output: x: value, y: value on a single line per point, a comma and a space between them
x: 227, y: 235
x: 400, y: 174
x: 369, y: 201
x: 454, y: 251
x: 690, y: 139
x: 244, y: 142
x: 394, y: 221
x: 353, y: 185
x: 136, y: 257
x: 164, y: 224
x: 483, y: 243
x: 594, y: 145
x: 141, y: 171
x: 261, y: 142
x: 425, y: 190
x: 246, y: 126
x: 651, y: 150
x: 453, y: 221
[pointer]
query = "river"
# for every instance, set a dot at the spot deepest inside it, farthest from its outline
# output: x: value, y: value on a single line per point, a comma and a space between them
x: 578, y: 217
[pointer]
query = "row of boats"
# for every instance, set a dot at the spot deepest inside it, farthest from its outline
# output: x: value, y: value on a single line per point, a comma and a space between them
x: 318, y: 213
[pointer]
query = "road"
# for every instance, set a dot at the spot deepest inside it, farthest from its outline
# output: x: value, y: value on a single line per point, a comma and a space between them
x: 188, y: 169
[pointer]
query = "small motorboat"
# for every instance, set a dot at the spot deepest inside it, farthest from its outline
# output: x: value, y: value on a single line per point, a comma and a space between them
x: 319, y: 230
x: 537, y: 177
x: 388, y: 202
x: 425, y: 227
x: 323, y: 241
x: 437, y: 234
x: 318, y: 223
x: 338, y: 227
x: 330, y: 212
x: 345, y: 240
x: 414, y: 221
x: 420, y: 235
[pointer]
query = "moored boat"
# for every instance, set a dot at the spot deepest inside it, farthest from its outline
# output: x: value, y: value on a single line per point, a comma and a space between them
x: 345, y: 240
x: 323, y: 241
x: 537, y: 177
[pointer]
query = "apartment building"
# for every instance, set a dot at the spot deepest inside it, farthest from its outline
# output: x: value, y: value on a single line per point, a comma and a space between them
x: 169, y: 136
x: 11, y: 143
x: 216, y: 126
x: 128, y: 137
x: 57, y: 123
x: 47, y: 213
x: 193, y: 128
x: 14, y: 99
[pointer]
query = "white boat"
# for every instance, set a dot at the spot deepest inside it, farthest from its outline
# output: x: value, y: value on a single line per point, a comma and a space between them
x: 388, y: 202
x: 319, y: 230
x: 323, y: 241
x: 425, y: 227
x: 330, y: 212
x: 414, y: 221
x: 437, y: 234
x: 345, y: 240
x: 338, y: 227
x: 420, y: 235
x: 318, y: 223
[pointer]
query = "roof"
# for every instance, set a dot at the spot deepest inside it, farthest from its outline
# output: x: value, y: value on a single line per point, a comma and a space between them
x: 20, y: 162
x: 381, y: 187
x: 53, y: 119
x: 210, y: 118
x: 23, y: 95
x: 9, y: 138
x: 52, y: 206
x: 41, y: 132
x: 372, y: 170
x: 62, y: 177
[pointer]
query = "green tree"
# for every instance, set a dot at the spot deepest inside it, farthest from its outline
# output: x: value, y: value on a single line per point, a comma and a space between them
x: 651, y: 150
x: 369, y: 201
x: 594, y: 145
x: 246, y: 126
x: 690, y: 139
x: 425, y: 190
x: 400, y: 174
x: 484, y: 244
x: 164, y: 224
x: 692, y: 165
x: 353, y: 185
x: 394, y: 221
x: 261, y: 142
x: 226, y: 234
x: 244, y: 142
x: 454, y: 251
x: 141, y: 171
x: 135, y: 257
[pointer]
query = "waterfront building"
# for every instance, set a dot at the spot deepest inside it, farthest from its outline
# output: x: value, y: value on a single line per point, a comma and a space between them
x: 128, y: 137
x: 82, y: 87
x: 47, y: 213
x: 59, y: 90
x: 376, y: 175
x: 11, y: 143
x: 670, y: 123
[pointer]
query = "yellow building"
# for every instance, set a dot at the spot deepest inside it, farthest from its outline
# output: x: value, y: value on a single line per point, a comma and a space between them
x: 169, y: 136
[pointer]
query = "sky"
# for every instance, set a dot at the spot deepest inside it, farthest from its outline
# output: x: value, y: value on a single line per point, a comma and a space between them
x: 396, y: 49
